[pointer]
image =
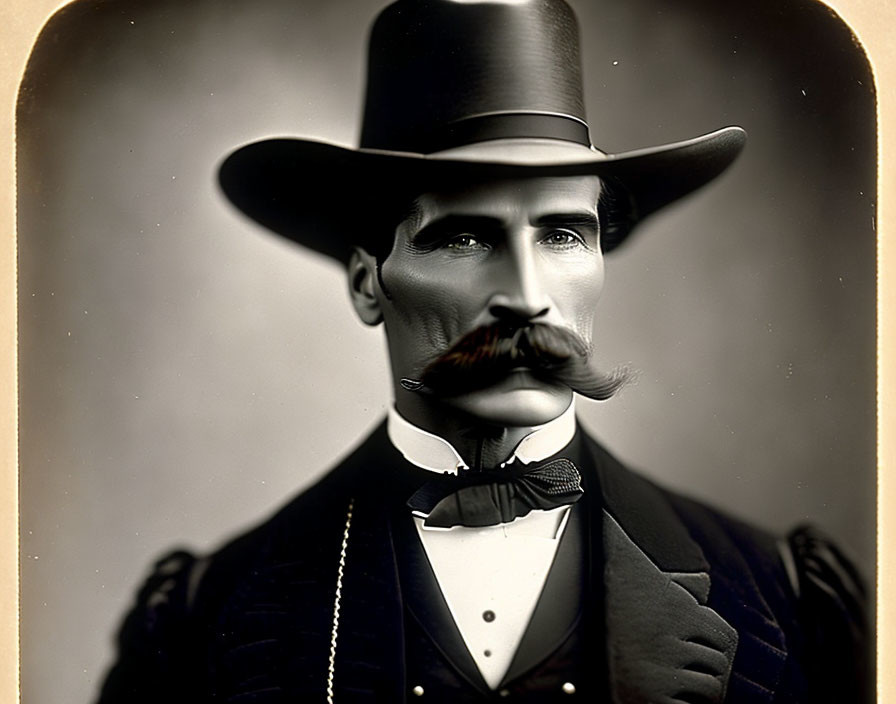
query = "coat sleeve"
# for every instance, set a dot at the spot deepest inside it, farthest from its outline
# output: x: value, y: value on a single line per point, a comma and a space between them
x: 834, y: 620
x: 156, y: 660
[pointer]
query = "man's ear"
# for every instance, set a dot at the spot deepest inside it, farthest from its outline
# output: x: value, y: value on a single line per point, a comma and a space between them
x: 362, y: 286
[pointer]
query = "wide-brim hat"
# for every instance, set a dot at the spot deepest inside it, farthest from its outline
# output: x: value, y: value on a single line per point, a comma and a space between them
x: 460, y: 91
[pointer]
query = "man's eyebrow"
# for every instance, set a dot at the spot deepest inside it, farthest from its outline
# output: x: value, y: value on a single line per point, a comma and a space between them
x: 454, y: 225
x: 578, y: 219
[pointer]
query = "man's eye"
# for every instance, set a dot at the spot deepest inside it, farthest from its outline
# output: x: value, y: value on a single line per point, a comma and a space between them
x: 465, y: 242
x: 561, y: 238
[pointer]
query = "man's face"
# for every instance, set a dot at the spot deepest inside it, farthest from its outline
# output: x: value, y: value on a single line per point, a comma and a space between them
x: 518, y: 251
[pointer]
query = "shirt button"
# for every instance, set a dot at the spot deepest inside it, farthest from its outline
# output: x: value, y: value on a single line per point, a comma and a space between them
x: 568, y: 688
x: 504, y: 693
x: 418, y: 690
x: 488, y: 616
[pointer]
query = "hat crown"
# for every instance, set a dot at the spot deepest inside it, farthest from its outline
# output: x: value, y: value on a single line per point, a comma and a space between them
x: 442, y: 73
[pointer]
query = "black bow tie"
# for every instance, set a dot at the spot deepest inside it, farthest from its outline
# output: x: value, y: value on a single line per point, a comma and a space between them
x: 478, y: 499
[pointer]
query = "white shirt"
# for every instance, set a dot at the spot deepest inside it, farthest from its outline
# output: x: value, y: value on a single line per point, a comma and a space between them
x: 491, y: 577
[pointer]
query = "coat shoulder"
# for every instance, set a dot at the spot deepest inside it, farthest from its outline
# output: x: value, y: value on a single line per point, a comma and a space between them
x: 189, y: 617
x: 306, y: 527
x: 665, y: 518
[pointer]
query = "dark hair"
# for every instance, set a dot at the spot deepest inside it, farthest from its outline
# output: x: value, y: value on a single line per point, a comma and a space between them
x: 379, y: 238
x: 615, y: 214
x: 380, y: 244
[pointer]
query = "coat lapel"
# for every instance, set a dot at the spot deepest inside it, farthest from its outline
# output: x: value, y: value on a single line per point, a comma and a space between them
x: 762, y: 651
x: 663, y: 593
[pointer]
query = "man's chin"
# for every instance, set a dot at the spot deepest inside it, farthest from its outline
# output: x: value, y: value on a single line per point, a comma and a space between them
x: 519, y: 400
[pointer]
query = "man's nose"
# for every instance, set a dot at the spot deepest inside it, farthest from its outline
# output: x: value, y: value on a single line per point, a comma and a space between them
x: 519, y: 292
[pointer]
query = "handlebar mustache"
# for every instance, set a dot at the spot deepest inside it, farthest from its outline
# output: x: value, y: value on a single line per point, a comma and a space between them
x: 488, y: 353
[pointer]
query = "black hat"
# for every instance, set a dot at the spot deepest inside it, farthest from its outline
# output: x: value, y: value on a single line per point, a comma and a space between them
x: 460, y: 90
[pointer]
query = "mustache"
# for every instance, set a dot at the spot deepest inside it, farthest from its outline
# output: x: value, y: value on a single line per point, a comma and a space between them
x: 488, y: 353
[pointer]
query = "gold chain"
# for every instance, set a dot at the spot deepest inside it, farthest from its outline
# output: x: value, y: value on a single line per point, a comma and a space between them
x: 335, y: 630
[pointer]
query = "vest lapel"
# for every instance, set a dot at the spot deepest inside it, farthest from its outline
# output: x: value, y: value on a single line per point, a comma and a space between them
x: 559, y: 606
x: 556, y: 614
x: 428, y: 607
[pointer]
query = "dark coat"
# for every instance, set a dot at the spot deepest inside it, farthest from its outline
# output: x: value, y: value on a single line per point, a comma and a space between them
x: 254, y: 621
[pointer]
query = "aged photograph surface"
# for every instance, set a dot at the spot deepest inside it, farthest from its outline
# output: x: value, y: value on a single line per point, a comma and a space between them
x: 446, y: 350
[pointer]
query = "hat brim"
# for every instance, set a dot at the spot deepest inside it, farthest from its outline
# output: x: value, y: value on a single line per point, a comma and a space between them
x: 330, y: 198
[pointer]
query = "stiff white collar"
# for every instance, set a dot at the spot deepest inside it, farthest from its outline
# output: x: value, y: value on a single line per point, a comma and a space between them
x: 436, y: 454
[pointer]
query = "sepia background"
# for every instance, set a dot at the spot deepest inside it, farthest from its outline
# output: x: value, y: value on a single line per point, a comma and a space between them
x: 182, y: 372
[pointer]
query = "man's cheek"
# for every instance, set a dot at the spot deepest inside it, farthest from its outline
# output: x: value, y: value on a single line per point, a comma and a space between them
x: 425, y: 328
x: 429, y: 297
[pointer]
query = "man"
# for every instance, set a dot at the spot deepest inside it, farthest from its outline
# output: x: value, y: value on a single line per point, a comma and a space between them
x: 479, y: 545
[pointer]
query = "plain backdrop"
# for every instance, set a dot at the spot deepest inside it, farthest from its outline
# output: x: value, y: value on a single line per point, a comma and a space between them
x: 183, y: 372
